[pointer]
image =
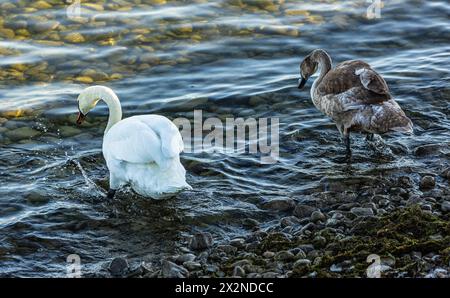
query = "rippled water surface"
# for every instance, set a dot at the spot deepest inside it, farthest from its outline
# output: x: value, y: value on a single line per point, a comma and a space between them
x: 228, y: 58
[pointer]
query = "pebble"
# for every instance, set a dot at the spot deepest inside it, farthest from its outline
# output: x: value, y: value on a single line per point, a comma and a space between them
x: 238, y: 271
x: 74, y: 38
x: 319, y: 241
x: 118, y: 266
x: 445, y: 206
x: 250, y: 222
x: 201, y: 241
x: 280, y: 205
x: 21, y: 133
x: 301, y: 263
x: 172, y: 270
x: 300, y: 254
x: 268, y: 254
x: 446, y: 173
x: 306, y: 247
x: 317, y: 216
x: 360, y: 211
x: 227, y: 249
x: 37, y: 197
x: 270, y: 275
x: 427, y: 182
x: 185, y: 258
x: 191, y: 265
x: 289, y: 221
x: 7, y: 33
x: 284, y: 255
x: 302, y: 211
x: 238, y: 242
x: 84, y: 79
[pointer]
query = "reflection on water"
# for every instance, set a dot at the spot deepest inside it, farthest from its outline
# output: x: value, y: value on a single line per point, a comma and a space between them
x: 228, y: 58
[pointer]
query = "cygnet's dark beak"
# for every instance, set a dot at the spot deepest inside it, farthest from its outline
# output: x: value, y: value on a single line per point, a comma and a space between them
x: 301, y: 83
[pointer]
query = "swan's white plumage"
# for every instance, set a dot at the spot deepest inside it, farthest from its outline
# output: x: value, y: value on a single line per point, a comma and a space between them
x: 144, y: 152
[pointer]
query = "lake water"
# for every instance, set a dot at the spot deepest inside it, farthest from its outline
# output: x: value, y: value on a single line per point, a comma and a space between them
x: 229, y: 58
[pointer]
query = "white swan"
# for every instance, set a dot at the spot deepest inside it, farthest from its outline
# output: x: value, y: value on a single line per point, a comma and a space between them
x: 142, y: 151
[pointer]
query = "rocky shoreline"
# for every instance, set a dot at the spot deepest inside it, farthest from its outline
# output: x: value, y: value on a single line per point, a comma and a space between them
x: 403, y: 226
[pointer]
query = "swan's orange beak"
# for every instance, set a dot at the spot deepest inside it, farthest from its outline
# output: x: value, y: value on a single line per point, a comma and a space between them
x: 80, y: 118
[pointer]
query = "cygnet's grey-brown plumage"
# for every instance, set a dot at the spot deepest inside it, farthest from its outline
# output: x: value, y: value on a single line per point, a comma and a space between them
x: 354, y: 96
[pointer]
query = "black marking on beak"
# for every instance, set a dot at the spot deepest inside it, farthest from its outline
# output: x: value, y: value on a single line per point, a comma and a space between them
x: 301, y: 83
x: 80, y: 117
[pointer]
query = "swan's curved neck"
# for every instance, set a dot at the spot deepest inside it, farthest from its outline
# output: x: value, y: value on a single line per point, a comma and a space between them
x: 324, y: 65
x: 111, y: 99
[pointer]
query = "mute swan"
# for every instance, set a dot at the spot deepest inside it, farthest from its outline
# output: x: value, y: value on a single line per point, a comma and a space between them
x: 354, y: 96
x: 143, y: 151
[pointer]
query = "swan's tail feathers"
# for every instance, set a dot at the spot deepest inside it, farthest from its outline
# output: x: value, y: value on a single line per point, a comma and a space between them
x: 172, y: 144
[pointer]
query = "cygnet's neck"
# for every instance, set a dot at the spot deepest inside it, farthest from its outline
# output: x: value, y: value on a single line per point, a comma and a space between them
x: 324, y: 65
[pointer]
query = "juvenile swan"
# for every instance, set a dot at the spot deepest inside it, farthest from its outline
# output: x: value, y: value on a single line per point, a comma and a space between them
x: 143, y: 151
x: 354, y: 96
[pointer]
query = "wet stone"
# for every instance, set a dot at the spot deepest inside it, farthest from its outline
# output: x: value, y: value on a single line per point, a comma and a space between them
x: 445, y: 206
x: 414, y: 200
x: 446, y: 173
x: 301, y: 263
x: 238, y: 242
x: 302, y: 211
x: 118, y: 266
x: 21, y: 133
x: 191, y: 265
x: 37, y: 197
x: 289, y: 221
x: 250, y: 222
x: 238, y: 271
x: 172, y: 270
x: 284, y: 256
x: 268, y: 254
x: 319, y: 241
x: 317, y: 216
x: 280, y: 205
x: 229, y: 249
x: 427, y: 182
x: 185, y: 258
x: 363, y: 212
x: 270, y: 275
x: 201, y: 241
x: 427, y: 150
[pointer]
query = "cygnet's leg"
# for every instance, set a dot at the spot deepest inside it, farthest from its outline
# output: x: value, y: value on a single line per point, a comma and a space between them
x: 348, y: 151
x: 369, y: 137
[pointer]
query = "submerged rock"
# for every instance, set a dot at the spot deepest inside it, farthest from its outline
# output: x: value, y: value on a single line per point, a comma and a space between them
x: 22, y: 133
x: 118, y: 266
x: 201, y: 241
x: 280, y: 205
x: 427, y: 182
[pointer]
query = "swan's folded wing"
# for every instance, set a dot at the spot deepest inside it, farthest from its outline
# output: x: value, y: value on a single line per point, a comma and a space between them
x: 372, y: 81
x: 171, y: 142
x: 133, y: 142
